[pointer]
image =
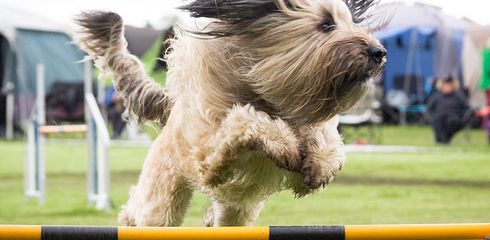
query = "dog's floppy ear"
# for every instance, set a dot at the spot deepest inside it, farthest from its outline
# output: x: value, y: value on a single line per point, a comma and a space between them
x: 358, y: 8
x: 231, y: 11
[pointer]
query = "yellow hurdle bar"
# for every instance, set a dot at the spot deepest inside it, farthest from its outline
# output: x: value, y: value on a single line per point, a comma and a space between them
x: 47, y: 129
x: 348, y: 232
x: 194, y: 233
x: 416, y: 231
x: 20, y: 232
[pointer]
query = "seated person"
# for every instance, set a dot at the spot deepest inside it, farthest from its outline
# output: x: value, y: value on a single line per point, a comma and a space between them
x: 447, y: 108
x: 115, y: 109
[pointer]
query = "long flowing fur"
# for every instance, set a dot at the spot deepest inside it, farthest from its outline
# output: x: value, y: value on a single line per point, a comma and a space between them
x: 266, y: 60
x: 254, y: 104
x: 102, y: 37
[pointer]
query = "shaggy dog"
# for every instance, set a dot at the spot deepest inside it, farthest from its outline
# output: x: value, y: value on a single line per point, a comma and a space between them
x: 250, y: 103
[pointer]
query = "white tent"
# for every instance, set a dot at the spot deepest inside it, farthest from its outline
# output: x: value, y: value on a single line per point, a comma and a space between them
x: 12, y: 18
x: 475, y: 40
x: 26, y: 40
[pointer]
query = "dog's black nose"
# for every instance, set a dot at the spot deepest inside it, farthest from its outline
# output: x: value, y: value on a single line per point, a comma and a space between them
x: 376, y: 53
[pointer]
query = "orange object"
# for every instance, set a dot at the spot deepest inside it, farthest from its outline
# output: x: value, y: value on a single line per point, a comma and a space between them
x: 415, y: 232
x: 483, y: 112
x: 20, y: 232
x: 47, y: 129
x: 194, y: 233
x: 348, y: 232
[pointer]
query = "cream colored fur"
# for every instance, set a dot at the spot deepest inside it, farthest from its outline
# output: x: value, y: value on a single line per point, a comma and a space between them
x: 244, y: 117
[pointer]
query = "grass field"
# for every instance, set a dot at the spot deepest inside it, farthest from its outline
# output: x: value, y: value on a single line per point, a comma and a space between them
x: 446, y: 184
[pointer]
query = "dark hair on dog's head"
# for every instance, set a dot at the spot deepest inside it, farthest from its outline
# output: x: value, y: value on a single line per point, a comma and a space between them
x: 232, y: 11
x: 358, y: 8
x: 237, y: 14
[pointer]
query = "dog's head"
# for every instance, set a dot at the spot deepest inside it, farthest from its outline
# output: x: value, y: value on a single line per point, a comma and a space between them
x: 308, y: 59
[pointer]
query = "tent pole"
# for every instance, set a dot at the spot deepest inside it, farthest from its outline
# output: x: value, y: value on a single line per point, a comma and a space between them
x: 10, y: 99
x: 406, y: 81
x: 9, y: 117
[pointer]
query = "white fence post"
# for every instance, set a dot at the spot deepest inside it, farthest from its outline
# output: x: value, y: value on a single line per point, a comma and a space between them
x: 34, y: 165
x: 41, y: 120
x: 90, y: 137
x: 30, y: 162
x: 98, y: 175
x: 101, y: 178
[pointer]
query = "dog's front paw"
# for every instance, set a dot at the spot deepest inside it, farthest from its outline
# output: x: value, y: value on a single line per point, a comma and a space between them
x: 318, y: 174
x: 274, y: 137
x: 280, y: 144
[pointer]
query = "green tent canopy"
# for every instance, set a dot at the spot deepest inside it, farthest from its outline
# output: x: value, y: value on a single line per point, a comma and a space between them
x: 485, y: 80
x: 149, y: 45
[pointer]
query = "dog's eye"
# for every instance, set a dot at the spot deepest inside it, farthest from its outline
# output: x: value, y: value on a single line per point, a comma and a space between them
x: 327, y: 25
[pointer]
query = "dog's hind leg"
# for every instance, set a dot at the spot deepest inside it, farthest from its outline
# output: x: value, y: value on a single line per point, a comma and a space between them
x: 222, y: 214
x: 247, y: 129
x: 161, y: 196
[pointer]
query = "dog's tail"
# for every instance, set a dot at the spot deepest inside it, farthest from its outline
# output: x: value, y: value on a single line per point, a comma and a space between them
x: 102, y: 37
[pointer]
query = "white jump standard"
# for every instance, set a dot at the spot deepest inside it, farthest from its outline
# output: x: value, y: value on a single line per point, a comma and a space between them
x: 97, y: 140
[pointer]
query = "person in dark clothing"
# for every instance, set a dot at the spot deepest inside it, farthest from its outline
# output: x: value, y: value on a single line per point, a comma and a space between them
x: 447, y: 108
x: 115, y: 109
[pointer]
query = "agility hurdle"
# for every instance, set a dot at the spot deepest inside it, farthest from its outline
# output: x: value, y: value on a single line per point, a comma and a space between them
x: 346, y: 232
x: 97, y: 138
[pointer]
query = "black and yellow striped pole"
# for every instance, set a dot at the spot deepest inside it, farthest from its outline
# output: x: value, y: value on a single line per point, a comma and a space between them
x: 347, y: 232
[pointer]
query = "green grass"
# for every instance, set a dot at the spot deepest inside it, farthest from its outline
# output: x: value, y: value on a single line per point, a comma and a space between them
x: 422, y: 136
x: 446, y: 184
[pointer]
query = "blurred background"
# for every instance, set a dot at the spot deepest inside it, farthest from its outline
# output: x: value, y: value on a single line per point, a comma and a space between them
x: 418, y: 146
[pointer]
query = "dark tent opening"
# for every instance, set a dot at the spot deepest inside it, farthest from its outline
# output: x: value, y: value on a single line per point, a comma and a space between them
x: 26, y: 42
x: 3, y: 62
